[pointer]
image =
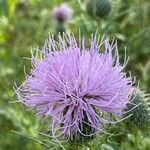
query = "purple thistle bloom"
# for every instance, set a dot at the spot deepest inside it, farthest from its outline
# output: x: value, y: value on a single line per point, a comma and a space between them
x: 75, y: 86
x: 62, y: 13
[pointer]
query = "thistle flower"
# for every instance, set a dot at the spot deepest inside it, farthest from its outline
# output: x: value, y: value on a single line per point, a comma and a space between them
x: 77, y: 88
x: 62, y: 13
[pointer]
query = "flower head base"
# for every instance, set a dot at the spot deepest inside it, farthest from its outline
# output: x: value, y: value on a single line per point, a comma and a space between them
x: 62, y: 13
x: 76, y: 87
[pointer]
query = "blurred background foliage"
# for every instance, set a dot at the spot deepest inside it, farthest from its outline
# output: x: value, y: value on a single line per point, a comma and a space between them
x: 26, y: 23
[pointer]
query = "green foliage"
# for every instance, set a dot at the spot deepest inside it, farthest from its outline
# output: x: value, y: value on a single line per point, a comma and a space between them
x: 25, y: 24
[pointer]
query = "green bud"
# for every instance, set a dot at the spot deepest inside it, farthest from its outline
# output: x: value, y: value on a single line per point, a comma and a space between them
x: 138, y: 108
x: 98, y: 8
